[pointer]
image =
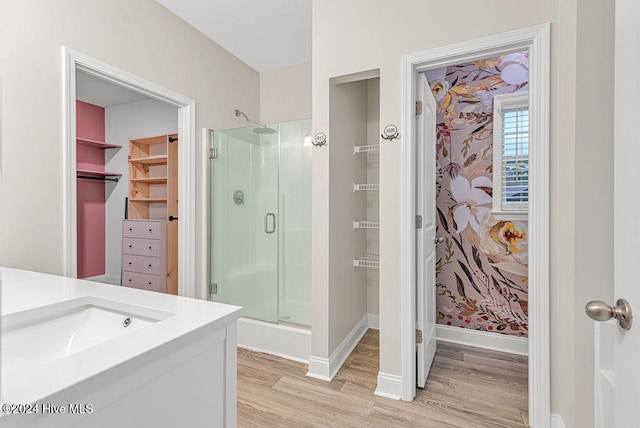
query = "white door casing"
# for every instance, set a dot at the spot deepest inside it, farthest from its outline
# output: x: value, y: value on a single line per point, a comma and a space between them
x: 536, y: 40
x: 72, y: 61
x: 426, y: 232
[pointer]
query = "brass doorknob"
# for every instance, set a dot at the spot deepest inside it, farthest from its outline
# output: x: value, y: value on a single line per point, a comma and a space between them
x: 600, y: 311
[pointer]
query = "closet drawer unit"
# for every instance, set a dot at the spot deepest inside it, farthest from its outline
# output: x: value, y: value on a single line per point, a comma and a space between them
x: 142, y: 281
x: 144, y: 254
x: 142, y: 264
x: 141, y: 247
x: 142, y: 229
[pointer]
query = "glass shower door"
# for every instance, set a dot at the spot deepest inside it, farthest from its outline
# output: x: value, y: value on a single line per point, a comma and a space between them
x: 244, y: 222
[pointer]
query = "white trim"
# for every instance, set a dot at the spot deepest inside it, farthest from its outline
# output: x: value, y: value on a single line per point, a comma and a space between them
x: 373, y: 321
x: 280, y: 340
x: 483, y: 339
x: 326, y: 369
x: 319, y: 368
x: 536, y: 39
x: 389, y: 386
x: 556, y: 421
x: 73, y: 61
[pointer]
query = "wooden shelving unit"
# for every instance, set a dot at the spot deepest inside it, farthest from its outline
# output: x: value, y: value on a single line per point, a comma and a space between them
x: 150, y: 180
x: 153, y: 192
x: 150, y: 160
x: 150, y: 200
x: 148, y: 177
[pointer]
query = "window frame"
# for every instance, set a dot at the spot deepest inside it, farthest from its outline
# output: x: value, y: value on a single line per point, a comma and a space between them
x: 500, y: 103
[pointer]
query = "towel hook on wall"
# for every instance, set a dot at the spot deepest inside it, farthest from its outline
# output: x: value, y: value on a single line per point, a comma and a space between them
x: 390, y: 132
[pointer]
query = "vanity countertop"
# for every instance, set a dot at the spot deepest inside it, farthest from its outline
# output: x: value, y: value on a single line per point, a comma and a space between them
x: 27, y: 291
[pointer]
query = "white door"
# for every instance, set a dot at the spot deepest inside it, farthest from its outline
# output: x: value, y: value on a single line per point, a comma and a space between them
x: 618, y: 371
x: 426, y: 232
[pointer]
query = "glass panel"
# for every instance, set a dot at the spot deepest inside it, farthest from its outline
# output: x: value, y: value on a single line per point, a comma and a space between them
x: 244, y: 221
x: 295, y: 222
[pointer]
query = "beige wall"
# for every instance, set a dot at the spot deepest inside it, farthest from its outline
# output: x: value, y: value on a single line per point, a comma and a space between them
x: 360, y: 35
x: 285, y: 94
x: 348, y: 301
x: 141, y: 37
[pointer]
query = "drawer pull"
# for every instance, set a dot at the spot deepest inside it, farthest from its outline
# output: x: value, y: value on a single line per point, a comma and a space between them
x: 150, y: 230
x: 130, y: 230
x: 149, y: 265
x: 129, y: 263
x: 149, y: 248
x: 129, y: 279
x: 130, y: 246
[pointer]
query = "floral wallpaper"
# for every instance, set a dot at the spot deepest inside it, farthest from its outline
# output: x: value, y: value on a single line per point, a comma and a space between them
x: 481, y: 268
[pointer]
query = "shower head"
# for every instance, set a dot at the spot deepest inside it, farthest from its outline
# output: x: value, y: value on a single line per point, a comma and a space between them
x: 264, y: 130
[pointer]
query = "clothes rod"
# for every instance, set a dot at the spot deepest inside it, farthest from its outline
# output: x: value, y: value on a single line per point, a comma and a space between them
x: 86, y: 177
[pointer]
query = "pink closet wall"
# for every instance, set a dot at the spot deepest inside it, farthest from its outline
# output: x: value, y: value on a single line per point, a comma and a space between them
x: 91, y: 193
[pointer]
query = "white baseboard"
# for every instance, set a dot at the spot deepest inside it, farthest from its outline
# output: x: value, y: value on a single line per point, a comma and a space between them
x: 373, y: 321
x: 389, y: 386
x: 280, y: 340
x: 326, y: 368
x: 556, y: 421
x: 483, y: 339
x: 319, y: 368
x: 105, y: 279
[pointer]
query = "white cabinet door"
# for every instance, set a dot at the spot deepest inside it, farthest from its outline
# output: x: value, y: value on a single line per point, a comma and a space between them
x: 426, y: 234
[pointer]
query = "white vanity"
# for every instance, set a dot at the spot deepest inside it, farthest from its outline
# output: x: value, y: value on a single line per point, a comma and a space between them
x: 93, y: 355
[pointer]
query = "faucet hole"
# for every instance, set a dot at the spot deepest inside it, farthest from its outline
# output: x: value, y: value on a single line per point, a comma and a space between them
x: 127, y: 322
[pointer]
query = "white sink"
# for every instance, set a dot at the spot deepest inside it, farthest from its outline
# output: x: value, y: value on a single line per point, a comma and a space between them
x: 51, y: 332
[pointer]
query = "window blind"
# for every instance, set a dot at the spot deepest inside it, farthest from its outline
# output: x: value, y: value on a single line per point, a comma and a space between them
x: 515, y: 159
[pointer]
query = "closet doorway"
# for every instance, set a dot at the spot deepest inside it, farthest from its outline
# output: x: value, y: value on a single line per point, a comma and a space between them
x: 128, y: 151
x: 466, y: 180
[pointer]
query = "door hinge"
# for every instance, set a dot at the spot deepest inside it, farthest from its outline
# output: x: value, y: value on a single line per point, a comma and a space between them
x: 418, y: 108
x: 418, y: 336
x: 213, y: 288
x: 418, y: 221
x: 213, y: 153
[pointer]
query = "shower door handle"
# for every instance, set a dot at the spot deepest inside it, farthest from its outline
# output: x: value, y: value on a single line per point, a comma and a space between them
x: 266, y: 223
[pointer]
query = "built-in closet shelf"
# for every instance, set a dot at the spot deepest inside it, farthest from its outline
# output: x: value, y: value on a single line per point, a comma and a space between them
x: 151, y: 160
x: 97, y: 144
x: 366, y: 149
x: 366, y: 224
x: 366, y: 187
x: 150, y: 180
x: 368, y: 261
x: 151, y: 200
x: 98, y: 174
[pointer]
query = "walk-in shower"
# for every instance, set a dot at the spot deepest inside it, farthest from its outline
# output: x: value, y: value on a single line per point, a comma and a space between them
x: 260, y: 243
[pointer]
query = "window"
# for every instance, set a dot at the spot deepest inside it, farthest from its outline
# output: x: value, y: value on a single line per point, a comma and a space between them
x: 511, y: 155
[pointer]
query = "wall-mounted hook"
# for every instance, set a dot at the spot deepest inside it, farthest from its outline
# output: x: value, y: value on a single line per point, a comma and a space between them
x: 320, y: 139
x: 390, y: 132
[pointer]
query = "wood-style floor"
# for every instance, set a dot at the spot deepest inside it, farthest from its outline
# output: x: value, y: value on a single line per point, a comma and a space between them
x: 467, y: 388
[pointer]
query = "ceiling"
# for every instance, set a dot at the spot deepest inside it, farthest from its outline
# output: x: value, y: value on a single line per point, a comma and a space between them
x: 265, y: 34
x: 102, y: 93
